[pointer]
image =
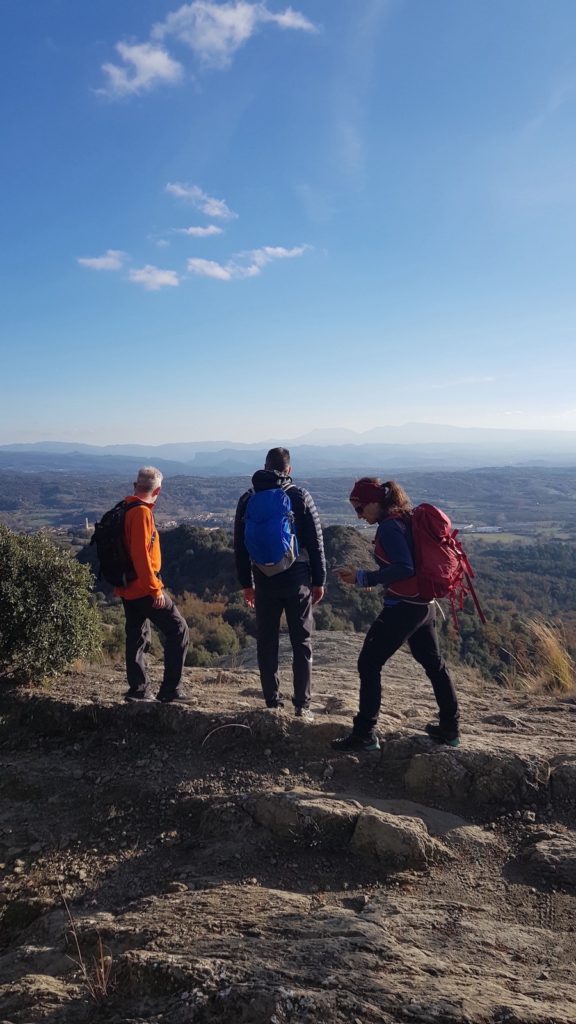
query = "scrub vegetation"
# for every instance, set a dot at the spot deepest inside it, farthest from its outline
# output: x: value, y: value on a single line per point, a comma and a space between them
x: 47, y: 614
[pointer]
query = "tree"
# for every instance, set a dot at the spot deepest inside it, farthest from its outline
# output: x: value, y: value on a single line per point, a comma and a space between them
x: 47, y: 615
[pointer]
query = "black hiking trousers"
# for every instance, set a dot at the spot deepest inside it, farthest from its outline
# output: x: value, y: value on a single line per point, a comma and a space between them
x: 397, y: 624
x: 291, y: 593
x: 139, y: 614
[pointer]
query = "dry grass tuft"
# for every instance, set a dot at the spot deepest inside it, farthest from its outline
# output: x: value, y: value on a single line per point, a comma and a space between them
x: 95, y: 973
x: 545, y: 665
x: 555, y: 668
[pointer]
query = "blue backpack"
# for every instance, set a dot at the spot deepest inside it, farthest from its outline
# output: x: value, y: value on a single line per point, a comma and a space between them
x: 269, y: 531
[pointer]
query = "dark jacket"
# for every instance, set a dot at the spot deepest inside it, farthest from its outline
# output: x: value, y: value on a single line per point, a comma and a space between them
x: 306, y: 527
x: 394, y: 553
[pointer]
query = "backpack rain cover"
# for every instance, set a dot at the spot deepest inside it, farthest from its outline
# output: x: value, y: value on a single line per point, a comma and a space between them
x: 269, y: 531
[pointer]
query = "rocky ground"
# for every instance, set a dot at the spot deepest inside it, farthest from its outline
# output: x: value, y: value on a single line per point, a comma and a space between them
x: 220, y: 865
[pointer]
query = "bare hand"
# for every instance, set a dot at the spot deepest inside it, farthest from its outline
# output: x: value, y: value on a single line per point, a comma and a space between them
x: 346, y: 575
x: 317, y: 594
x: 249, y: 596
x: 160, y: 600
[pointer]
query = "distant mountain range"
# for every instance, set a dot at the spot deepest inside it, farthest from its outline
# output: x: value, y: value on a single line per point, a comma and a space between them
x: 383, y: 451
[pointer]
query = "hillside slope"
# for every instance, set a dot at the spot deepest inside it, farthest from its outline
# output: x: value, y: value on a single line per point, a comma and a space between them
x: 236, y: 870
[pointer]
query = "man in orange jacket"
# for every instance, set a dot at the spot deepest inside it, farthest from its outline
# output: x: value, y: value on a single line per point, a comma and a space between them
x: 145, y: 601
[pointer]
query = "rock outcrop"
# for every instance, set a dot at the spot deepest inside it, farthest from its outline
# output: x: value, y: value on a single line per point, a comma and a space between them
x: 221, y: 863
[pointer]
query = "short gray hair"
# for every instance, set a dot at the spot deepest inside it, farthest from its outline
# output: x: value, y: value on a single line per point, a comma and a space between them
x: 148, y: 479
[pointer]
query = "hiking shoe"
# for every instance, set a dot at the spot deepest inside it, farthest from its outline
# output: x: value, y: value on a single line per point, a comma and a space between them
x: 134, y: 697
x: 354, y: 742
x: 305, y: 714
x: 450, y: 737
x: 179, y: 697
x: 277, y: 704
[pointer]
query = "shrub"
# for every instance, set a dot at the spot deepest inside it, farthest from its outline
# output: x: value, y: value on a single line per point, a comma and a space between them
x: 199, y: 657
x: 325, y: 618
x: 47, y: 616
x: 113, y: 629
x: 240, y: 617
x: 221, y: 639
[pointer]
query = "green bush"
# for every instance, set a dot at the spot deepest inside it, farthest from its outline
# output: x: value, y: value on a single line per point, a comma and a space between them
x: 47, y: 616
x: 221, y: 639
x: 199, y: 657
x: 325, y: 618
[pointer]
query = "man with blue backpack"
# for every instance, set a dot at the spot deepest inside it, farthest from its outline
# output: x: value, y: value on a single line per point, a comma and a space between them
x: 281, y: 568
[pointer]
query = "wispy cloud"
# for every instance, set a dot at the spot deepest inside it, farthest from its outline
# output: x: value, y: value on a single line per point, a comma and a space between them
x: 214, y: 32
x: 244, y: 264
x: 562, y: 95
x: 201, y: 200
x: 268, y: 253
x: 290, y: 19
x: 145, y: 65
x: 318, y: 202
x: 356, y: 73
x: 113, y: 259
x: 195, y: 232
x: 153, y: 279
x: 534, y: 166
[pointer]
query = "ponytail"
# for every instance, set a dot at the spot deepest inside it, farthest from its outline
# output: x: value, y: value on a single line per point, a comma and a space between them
x: 396, y: 501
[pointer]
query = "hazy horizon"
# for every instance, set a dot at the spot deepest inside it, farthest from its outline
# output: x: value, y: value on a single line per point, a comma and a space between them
x: 397, y: 434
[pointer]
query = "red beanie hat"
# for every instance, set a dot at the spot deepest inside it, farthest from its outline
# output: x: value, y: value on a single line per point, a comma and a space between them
x: 364, y: 492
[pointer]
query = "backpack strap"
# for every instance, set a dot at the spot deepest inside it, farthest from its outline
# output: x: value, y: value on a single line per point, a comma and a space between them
x: 127, y: 505
x: 474, y: 597
x: 293, y: 492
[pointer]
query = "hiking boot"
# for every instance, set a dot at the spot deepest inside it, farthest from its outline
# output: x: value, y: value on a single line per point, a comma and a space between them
x: 439, y: 733
x: 178, y: 697
x: 354, y: 742
x: 305, y: 714
x: 134, y: 697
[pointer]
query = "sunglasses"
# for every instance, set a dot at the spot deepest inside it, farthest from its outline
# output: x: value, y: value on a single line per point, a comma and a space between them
x: 358, y: 509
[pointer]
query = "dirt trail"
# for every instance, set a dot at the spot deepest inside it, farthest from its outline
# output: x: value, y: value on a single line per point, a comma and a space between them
x: 232, y: 869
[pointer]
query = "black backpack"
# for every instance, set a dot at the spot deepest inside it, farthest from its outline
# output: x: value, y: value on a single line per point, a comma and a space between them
x: 115, y: 562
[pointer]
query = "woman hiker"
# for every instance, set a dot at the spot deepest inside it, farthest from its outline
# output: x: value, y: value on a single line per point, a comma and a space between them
x: 404, y: 618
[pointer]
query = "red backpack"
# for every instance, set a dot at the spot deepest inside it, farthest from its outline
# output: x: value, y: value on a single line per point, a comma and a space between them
x: 442, y: 568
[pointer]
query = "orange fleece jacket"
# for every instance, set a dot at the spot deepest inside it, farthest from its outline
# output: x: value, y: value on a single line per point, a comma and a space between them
x: 143, y: 544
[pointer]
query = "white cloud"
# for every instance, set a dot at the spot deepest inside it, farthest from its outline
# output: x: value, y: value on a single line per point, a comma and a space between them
x: 114, y: 259
x: 214, y: 32
x: 290, y: 19
x: 244, y: 264
x: 210, y: 268
x: 145, y: 65
x: 206, y: 232
x: 260, y: 257
x: 201, y: 200
x: 152, y: 278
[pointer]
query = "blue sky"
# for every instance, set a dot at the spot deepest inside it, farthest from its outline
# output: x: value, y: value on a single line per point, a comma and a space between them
x: 242, y: 220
